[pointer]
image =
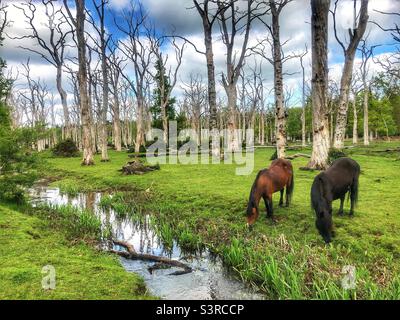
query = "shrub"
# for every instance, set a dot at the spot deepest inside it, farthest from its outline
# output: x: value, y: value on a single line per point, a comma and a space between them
x: 334, y: 154
x: 18, y: 163
x: 66, y: 148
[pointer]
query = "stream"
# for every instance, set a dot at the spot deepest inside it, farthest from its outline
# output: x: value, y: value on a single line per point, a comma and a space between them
x: 210, y: 279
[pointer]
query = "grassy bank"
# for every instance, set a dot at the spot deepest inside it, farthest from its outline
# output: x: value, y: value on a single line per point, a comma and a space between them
x: 28, y: 243
x: 205, y: 204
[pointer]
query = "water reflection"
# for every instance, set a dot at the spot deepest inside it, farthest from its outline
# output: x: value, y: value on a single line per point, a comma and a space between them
x: 209, y: 280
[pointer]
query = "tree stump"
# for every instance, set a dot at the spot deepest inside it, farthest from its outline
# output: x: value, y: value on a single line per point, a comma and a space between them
x: 137, y: 167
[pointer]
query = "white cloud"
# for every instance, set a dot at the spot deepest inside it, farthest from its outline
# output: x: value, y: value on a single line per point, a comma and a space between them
x: 295, y: 26
x: 118, y: 5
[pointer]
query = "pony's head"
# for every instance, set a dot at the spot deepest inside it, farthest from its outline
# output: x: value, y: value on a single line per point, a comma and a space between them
x: 324, y: 225
x: 251, y: 213
x: 322, y: 207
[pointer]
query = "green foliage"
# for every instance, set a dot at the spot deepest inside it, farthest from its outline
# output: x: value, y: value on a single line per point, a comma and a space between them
x: 294, y: 122
x: 27, y: 243
x: 119, y: 202
x: 381, y: 116
x: 69, y: 187
x: 66, y: 148
x: 162, y: 80
x: 17, y: 161
x: 78, y: 223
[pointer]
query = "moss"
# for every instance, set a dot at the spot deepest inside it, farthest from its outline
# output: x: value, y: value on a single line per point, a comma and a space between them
x: 28, y: 243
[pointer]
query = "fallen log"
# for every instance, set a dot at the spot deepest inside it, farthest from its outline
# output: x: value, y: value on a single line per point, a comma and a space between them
x: 386, y: 150
x: 137, y: 167
x: 133, y: 255
x: 298, y: 155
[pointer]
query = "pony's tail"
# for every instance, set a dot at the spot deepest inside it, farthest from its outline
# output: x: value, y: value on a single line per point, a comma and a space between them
x: 290, y: 188
x: 354, y: 190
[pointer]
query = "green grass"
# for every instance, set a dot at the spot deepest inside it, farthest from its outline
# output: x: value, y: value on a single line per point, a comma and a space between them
x: 77, y: 223
x: 206, y: 203
x: 28, y: 243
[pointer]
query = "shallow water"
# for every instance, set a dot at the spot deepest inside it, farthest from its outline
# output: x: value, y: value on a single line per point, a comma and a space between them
x: 209, y: 279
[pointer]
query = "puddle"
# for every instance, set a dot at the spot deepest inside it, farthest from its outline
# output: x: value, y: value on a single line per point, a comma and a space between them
x: 209, y: 279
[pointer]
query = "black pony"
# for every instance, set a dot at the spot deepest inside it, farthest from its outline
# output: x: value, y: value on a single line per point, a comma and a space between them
x: 334, y: 183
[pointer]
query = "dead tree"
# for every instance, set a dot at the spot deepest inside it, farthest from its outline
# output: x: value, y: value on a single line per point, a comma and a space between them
x: 303, y: 98
x: 355, y: 89
x: 53, y: 119
x: 208, y: 17
x: 79, y: 24
x: 116, y: 68
x: 167, y: 77
x: 391, y: 63
x: 355, y: 36
x: 234, y: 22
x: 52, y: 44
x: 195, y: 98
x: 252, y: 90
x: 101, y: 44
x: 138, y: 48
x: 30, y: 95
x: 277, y: 61
x: 319, y: 83
x: 366, y: 55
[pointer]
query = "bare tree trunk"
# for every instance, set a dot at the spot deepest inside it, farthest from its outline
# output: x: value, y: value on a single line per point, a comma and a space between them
x: 104, y: 67
x: 349, y: 53
x: 63, y: 96
x: 208, y: 21
x: 262, y: 128
x: 116, y: 122
x: 303, y: 100
x: 319, y: 31
x: 365, y: 107
x: 232, y: 136
x: 278, y: 86
x: 212, y: 95
x: 79, y: 23
x: 355, y: 122
x: 139, y: 124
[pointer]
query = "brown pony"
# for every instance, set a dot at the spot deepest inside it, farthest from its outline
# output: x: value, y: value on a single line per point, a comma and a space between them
x: 268, y: 181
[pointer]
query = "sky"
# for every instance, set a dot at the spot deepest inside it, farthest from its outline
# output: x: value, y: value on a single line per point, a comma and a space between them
x: 179, y: 15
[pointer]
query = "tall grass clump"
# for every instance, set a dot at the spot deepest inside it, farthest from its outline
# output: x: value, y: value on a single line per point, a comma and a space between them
x: 69, y: 187
x: 189, y: 241
x: 78, y: 223
x: 234, y: 254
x: 118, y: 203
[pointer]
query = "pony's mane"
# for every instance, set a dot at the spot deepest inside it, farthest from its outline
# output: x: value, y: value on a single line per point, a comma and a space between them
x: 321, y: 180
x: 252, y: 201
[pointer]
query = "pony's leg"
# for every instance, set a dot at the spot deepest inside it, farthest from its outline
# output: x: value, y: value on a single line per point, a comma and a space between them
x: 267, y: 206
x: 271, y: 208
x: 281, y: 199
x: 352, y: 199
x: 341, y: 205
x: 287, y: 197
